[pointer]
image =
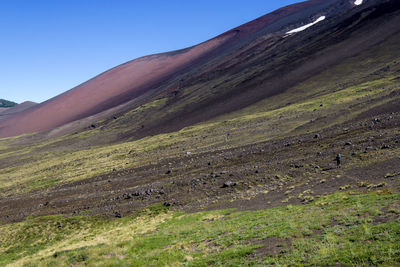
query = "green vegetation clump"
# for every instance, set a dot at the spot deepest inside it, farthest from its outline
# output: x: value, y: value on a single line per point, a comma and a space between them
x: 342, y: 228
x: 7, y: 104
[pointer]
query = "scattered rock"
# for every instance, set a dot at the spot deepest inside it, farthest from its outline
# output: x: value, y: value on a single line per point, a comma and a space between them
x: 317, y: 136
x: 167, y: 204
x: 126, y: 196
x: 228, y: 184
x: 215, y: 175
x: 368, y: 149
x: 149, y: 191
x: 385, y: 147
x: 381, y: 185
x: 348, y: 143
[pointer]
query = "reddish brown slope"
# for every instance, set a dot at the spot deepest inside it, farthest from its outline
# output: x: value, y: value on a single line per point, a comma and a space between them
x: 128, y: 81
x: 8, y: 112
x: 104, y: 91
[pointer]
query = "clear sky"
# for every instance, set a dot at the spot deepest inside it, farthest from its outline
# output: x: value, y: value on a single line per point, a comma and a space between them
x: 50, y: 46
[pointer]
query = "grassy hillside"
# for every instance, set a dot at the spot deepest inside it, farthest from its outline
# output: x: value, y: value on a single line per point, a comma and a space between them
x: 345, y: 228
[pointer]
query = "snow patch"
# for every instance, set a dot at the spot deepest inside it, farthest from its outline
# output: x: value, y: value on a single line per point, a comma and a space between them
x: 358, y: 2
x: 302, y: 28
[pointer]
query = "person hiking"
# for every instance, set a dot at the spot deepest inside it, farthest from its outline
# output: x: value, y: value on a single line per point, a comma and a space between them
x: 338, y: 159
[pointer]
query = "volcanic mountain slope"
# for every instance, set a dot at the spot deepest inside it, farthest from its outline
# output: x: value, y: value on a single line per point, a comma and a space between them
x: 237, y: 68
x: 254, y: 127
x: 7, y: 112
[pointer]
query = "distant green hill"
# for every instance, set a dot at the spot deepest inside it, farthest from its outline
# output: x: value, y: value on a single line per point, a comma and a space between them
x: 6, y: 103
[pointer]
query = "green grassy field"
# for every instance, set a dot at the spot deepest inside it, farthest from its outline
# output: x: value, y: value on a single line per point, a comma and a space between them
x: 347, y: 228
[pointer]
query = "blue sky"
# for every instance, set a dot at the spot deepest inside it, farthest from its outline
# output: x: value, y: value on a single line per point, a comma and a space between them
x: 48, y: 47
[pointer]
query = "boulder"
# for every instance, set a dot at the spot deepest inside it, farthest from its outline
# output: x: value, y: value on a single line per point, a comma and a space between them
x: 228, y: 184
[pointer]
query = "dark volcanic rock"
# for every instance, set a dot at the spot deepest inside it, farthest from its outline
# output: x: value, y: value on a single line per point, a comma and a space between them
x: 228, y: 184
x: 215, y: 175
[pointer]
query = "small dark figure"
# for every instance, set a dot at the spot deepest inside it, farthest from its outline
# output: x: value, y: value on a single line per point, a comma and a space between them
x: 338, y: 159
